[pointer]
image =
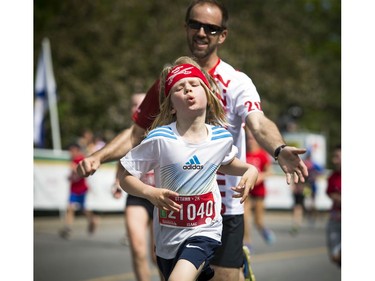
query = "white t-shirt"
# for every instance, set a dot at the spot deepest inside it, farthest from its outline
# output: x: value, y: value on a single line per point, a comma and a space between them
x: 240, y: 98
x: 188, y: 169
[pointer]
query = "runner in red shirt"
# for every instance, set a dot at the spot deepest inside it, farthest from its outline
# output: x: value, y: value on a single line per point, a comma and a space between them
x: 77, y: 196
x: 254, y: 208
x: 334, y: 222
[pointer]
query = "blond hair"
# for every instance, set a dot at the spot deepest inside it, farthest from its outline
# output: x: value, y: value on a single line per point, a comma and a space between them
x: 215, y: 113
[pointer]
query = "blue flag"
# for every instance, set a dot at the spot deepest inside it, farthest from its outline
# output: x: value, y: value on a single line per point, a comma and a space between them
x: 40, y: 103
x: 45, y: 98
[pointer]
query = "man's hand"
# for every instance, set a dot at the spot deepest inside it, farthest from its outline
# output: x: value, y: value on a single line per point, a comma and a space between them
x: 112, y: 151
x: 292, y: 164
x: 88, y: 166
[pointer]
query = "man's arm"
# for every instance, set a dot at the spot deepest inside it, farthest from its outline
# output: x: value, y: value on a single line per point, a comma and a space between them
x: 269, y: 137
x: 113, y: 150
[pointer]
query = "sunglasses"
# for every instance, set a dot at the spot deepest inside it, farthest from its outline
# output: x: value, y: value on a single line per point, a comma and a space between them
x: 210, y: 29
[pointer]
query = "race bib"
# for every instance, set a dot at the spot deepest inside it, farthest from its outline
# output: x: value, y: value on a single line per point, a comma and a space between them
x: 196, y: 210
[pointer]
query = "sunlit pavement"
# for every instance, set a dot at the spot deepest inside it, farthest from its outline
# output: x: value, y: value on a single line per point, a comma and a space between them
x: 104, y: 257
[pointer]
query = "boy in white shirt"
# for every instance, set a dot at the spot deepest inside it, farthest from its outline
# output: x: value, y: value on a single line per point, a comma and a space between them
x: 186, y: 146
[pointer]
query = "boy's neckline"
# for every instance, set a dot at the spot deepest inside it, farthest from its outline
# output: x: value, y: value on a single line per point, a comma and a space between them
x: 205, y: 136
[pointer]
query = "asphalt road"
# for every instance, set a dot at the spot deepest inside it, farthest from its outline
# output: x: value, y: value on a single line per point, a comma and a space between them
x: 102, y: 257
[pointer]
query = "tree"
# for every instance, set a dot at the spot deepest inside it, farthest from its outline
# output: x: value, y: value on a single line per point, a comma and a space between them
x: 103, y: 51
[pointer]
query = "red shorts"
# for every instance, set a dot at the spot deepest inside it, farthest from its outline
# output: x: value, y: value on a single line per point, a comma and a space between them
x: 258, y: 191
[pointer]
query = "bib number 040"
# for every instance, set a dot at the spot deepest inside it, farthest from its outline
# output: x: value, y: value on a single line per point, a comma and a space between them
x: 194, y: 213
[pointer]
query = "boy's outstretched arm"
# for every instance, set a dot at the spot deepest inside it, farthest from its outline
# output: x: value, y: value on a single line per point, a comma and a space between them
x: 249, y: 177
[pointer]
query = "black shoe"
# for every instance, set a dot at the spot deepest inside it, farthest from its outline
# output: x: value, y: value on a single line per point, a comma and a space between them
x: 206, y: 274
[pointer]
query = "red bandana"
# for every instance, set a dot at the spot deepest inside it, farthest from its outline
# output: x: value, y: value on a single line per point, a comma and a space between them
x: 183, y: 71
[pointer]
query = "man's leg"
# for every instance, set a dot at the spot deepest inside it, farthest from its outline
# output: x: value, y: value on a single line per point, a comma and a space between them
x: 137, y: 224
x: 228, y: 259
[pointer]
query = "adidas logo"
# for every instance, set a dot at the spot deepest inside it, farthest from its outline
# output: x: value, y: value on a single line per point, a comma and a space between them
x: 193, y: 164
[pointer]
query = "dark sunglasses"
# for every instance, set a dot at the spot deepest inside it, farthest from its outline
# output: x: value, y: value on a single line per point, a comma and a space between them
x: 210, y: 29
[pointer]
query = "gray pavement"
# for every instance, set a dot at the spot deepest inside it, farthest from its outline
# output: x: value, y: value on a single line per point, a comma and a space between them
x: 102, y: 257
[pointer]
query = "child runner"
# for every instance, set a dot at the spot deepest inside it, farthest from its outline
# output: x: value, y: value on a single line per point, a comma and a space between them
x: 186, y: 146
x: 77, y: 195
x: 334, y: 222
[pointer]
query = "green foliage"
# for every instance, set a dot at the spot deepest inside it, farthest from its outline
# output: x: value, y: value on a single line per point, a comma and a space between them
x: 103, y: 51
